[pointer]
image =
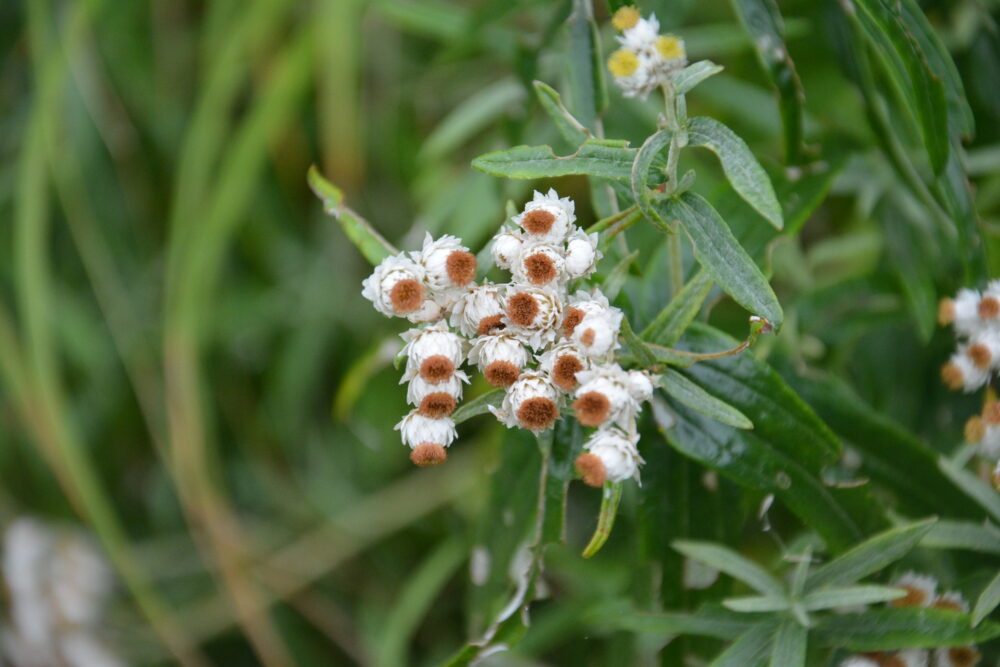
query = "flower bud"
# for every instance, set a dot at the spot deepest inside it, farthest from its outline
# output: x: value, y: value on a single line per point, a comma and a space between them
x: 506, y: 249
x: 479, y: 311
x: 581, y: 254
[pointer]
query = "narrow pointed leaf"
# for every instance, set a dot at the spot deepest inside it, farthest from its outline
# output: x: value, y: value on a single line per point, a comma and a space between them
x: 745, y: 174
x: 596, y: 157
x: 709, y: 621
x: 789, y: 647
x: 699, y: 400
x: 669, y: 325
x: 756, y: 603
x: 732, y: 563
x: 569, y: 127
x: 372, y: 245
x: 749, y: 649
x: 905, y: 627
x: 689, y: 77
x: 477, y: 406
x: 975, y: 488
x: 849, y: 596
x: 639, y: 349
x: 988, y: 600
x: 981, y: 537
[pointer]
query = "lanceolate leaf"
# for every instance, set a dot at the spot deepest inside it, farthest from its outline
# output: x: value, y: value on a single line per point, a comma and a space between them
x: 850, y: 596
x: 371, y: 244
x: 569, y: 127
x: 906, y: 627
x: 717, y: 250
x: 745, y: 174
x: 689, y: 77
x: 603, y: 158
x: 789, y: 648
x: 669, y: 325
x: 709, y: 621
x: 732, y: 563
x: 988, y: 600
x: 978, y: 490
x: 699, y: 400
x: 587, y: 92
x: 981, y: 537
x: 749, y: 649
x: 477, y: 406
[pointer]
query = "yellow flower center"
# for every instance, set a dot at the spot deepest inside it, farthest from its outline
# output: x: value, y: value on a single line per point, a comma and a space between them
x: 623, y: 63
x: 625, y: 18
x: 670, y: 47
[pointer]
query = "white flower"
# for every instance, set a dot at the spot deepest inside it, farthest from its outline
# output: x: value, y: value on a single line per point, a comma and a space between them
x: 642, y: 35
x: 582, y: 304
x: 988, y: 307
x: 531, y: 403
x: 539, y: 264
x: 532, y: 314
x: 419, y: 388
x: 646, y: 58
x: 962, y: 373
x: 396, y: 286
x: 641, y: 385
x: 447, y: 264
x: 506, y: 248
x: 416, y: 429
x: 962, y: 311
x: 951, y: 600
x: 984, y: 350
x: 634, y: 71
x: 597, y: 334
x: 956, y: 656
x: 500, y: 358
x: 989, y: 446
x: 913, y: 657
x: 617, y: 452
x: 920, y: 590
x: 437, y: 339
x: 562, y: 362
x: 603, y: 397
x: 581, y: 254
x: 859, y: 661
x: 547, y: 218
x: 479, y: 311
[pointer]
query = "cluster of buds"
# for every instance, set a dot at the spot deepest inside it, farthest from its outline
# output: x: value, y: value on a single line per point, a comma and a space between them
x: 976, y: 318
x: 921, y: 592
x: 545, y: 347
x: 646, y: 58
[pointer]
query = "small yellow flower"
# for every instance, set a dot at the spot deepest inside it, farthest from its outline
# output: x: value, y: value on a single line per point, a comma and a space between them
x: 625, y: 18
x: 623, y: 63
x: 670, y: 47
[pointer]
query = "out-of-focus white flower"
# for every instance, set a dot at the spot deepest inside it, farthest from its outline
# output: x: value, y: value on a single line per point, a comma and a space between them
x: 422, y: 343
x: 913, y: 657
x: 539, y: 264
x: 859, y: 661
x: 985, y: 430
x: 500, y: 357
x: 562, y: 362
x: 962, y: 311
x: 479, y: 311
x: 984, y: 350
x: 419, y: 388
x: 447, y: 264
x: 582, y: 254
x: 952, y: 600
x: 956, y: 656
x: 396, y: 286
x: 531, y: 403
x: 547, y: 218
x: 603, y: 397
x: 611, y: 456
x: 962, y: 373
x: 506, y: 248
x: 81, y: 649
x: 532, y: 314
x: 920, y: 590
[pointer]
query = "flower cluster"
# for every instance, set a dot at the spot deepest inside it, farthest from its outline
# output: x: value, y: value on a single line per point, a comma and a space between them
x: 921, y: 592
x: 547, y: 348
x: 57, y: 585
x: 646, y: 58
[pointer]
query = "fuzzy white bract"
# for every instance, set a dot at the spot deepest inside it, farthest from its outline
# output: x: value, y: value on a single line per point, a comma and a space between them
x: 419, y: 388
x: 417, y: 429
x: 478, y: 304
x: 506, y: 248
x: 582, y: 254
x: 486, y: 350
x: 617, y: 452
x: 430, y: 341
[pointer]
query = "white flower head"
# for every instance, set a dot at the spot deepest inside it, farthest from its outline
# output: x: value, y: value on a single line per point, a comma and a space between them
x: 419, y: 388
x: 447, y: 264
x: 956, y: 656
x: 597, y: 334
x: 506, y: 248
x: 984, y: 350
x: 961, y: 372
x: 582, y: 304
x: 396, y: 286
x: 426, y: 437
x: 582, y: 254
x: 989, y: 445
x: 603, y: 397
x: 859, y: 661
x: 634, y: 71
x: 479, y: 311
x: 532, y: 314
x: 952, y: 600
x: 531, y: 403
x: 562, y: 362
x: 437, y: 339
x: 611, y: 456
x: 962, y: 312
x: 500, y: 357
x: 547, y: 217
x: 641, y: 385
x: 913, y: 657
x: 539, y: 264
x: 920, y: 590
x: 988, y: 307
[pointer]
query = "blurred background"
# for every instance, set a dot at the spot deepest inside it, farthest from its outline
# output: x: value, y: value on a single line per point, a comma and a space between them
x: 191, y: 377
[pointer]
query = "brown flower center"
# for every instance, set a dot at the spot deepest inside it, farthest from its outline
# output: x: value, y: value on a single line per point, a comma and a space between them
x: 951, y: 375
x: 974, y: 429
x: 980, y: 355
x: 944, y: 603
x: 437, y: 368
x: 893, y: 661
x: 406, y: 296
x: 573, y: 317
x: 538, y: 221
x: 915, y: 597
x: 991, y: 412
x: 537, y: 414
x: 592, y: 408
x: 437, y: 405
x: 989, y: 307
x: 428, y: 454
x: 502, y: 373
x: 522, y: 309
x: 461, y: 267
x: 946, y: 312
x: 963, y: 656
x: 591, y: 469
x: 491, y: 325
x: 588, y: 337
x: 540, y: 268
x: 564, y: 371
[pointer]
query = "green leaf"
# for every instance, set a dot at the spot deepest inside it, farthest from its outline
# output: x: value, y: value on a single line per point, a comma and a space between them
x: 789, y: 648
x: 982, y: 537
x: 670, y: 356
x: 870, y: 556
x: 757, y: 603
x: 748, y: 649
x: 975, y: 488
x: 611, y: 496
x: 640, y: 176
x: 709, y: 621
x: 642, y: 353
x: 745, y: 174
x: 905, y: 627
x: 477, y: 406
x: 615, y: 279
x: 988, y: 600
x: 689, y: 77
x: 476, y: 112
x: 717, y: 250
x: 371, y: 244
x: 699, y: 400
x: 669, y: 325
x: 596, y: 157
x: 849, y: 596
x: 903, y: 244
x: 569, y: 127
x: 732, y: 563
x: 585, y: 67
x: 762, y: 21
